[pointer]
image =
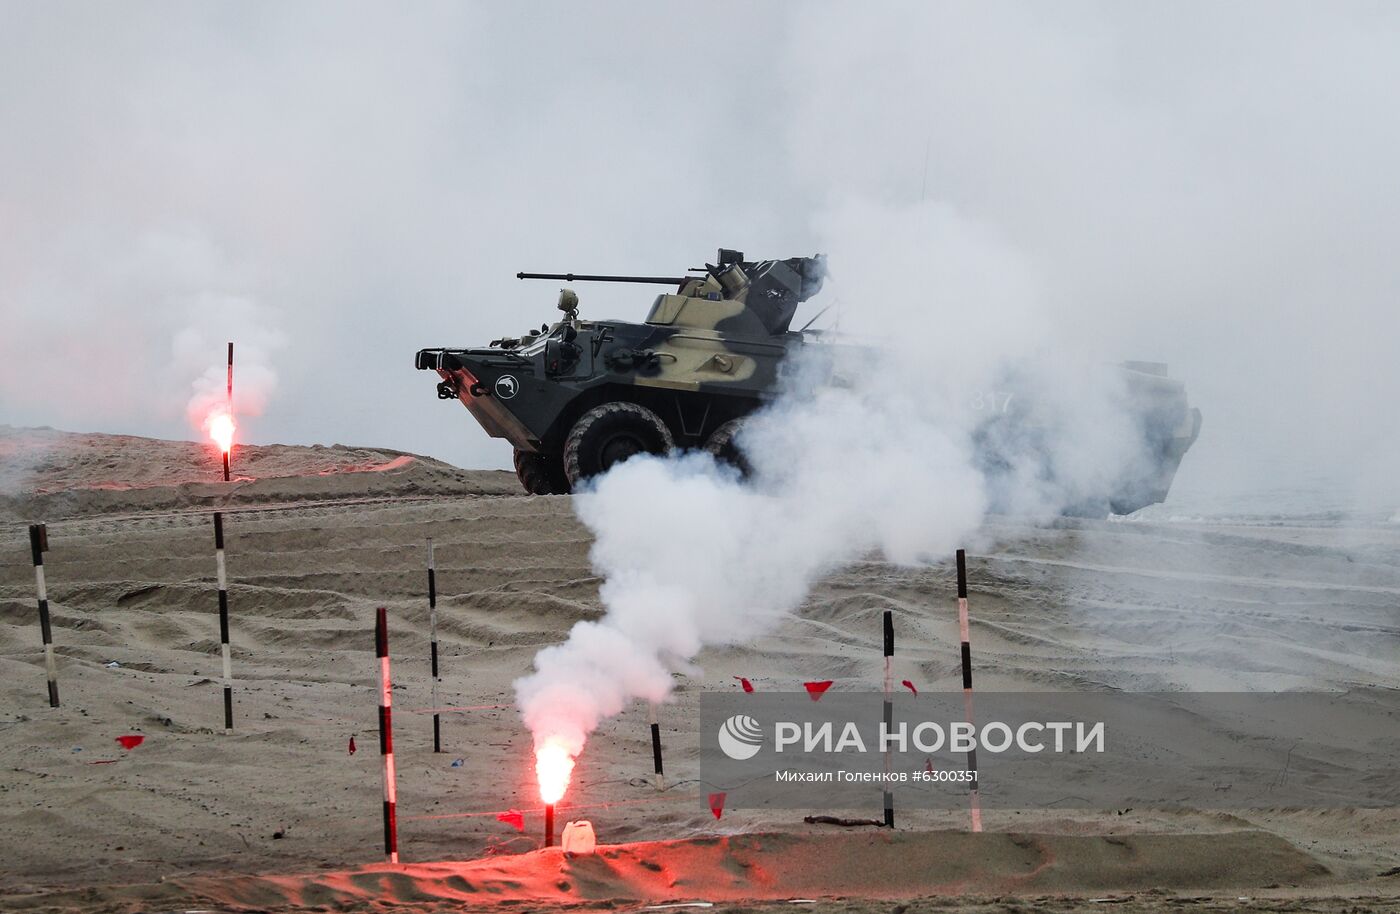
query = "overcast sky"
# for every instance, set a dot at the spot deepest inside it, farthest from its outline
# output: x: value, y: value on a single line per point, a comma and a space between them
x: 335, y: 186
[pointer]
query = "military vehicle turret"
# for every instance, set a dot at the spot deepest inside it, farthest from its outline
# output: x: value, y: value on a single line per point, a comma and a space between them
x: 577, y: 396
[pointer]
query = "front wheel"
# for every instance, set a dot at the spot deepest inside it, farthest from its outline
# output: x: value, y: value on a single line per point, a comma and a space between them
x: 609, y: 434
x: 541, y: 474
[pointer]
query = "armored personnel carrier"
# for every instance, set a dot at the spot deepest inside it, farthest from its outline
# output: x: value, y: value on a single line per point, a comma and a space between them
x: 578, y: 396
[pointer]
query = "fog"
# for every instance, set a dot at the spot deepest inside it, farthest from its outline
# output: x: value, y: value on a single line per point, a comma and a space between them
x: 1209, y: 186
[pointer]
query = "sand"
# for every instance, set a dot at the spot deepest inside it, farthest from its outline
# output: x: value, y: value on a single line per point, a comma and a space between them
x: 280, y: 815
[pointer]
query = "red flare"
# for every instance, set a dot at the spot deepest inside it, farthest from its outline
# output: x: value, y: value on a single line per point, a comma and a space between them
x: 817, y: 689
x: 352, y: 745
x: 131, y: 741
x: 748, y: 686
x: 221, y: 428
x: 554, y: 766
x: 717, y: 804
x: 512, y: 817
x: 910, y: 686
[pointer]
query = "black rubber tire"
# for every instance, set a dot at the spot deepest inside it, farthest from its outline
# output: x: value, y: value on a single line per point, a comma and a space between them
x: 609, y: 434
x: 722, y: 447
x: 541, y: 474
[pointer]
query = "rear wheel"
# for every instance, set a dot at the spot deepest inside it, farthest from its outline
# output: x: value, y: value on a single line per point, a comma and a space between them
x: 723, y: 448
x: 609, y: 434
x: 541, y: 474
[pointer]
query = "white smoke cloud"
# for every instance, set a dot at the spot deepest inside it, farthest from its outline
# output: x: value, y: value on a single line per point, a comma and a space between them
x: 871, y: 447
x: 1235, y: 215
x: 389, y: 173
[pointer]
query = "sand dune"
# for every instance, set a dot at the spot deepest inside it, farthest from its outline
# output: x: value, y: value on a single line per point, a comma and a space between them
x: 313, y: 549
x: 51, y: 475
x: 769, y: 867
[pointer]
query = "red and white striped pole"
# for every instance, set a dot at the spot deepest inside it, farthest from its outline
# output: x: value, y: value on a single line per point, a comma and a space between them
x: 433, y: 647
x: 223, y: 614
x: 386, y: 735
x: 975, y: 798
x: 38, y: 545
x: 889, y: 713
x: 230, y: 404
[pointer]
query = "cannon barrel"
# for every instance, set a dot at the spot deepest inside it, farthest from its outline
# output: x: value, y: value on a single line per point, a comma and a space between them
x: 597, y: 277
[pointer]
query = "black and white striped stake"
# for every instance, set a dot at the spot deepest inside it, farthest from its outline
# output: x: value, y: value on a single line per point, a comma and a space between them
x: 38, y: 545
x: 386, y: 735
x: 656, y: 746
x: 889, y: 712
x: 975, y: 798
x: 223, y: 620
x: 433, y: 647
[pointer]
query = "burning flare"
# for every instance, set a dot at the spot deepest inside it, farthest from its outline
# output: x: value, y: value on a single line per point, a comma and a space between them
x: 221, y: 428
x: 553, y: 767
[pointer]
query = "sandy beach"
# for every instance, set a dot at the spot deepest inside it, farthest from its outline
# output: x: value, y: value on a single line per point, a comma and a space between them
x: 280, y: 814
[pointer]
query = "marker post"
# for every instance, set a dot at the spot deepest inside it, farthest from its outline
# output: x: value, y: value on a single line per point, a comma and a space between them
x: 230, y: 404
x: 889, y: 713
x: 656, y: 746
x: 38, y: 545
x: 386, y: 735
x: 224, y: 647
x: 963, y: 630
x: 433, y: 647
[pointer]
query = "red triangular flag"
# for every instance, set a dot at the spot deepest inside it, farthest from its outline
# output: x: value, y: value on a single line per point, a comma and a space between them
x: 352, y: 745
x: 717, y: 804
x: 512, y: 817
x: 817, y: 689
x: 910, y: 686
x: 748, y: 686
x: 131, y: 741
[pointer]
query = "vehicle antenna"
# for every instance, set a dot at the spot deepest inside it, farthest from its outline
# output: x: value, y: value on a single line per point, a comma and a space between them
x: 818, y: 315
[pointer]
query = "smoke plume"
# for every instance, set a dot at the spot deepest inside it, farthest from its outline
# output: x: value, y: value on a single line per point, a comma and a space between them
x: 252, y: 329
x: 869, y: 448
x: 1212, y: 189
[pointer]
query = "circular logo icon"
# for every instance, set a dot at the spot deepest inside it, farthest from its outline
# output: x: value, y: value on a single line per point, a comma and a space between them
x: 740, y: 737
x: 507, y: 386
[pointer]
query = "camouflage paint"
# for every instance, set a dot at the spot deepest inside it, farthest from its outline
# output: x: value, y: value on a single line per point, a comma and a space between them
x: 712, y: 351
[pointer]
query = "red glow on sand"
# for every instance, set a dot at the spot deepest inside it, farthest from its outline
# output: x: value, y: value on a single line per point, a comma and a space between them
x: 553, y: 767
x: 221, y: 428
